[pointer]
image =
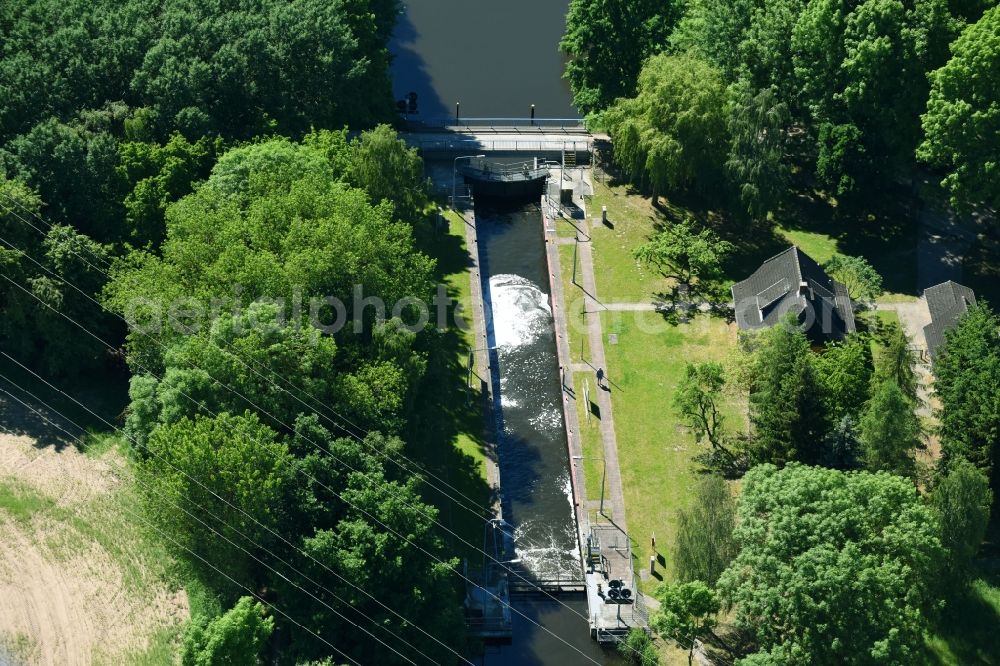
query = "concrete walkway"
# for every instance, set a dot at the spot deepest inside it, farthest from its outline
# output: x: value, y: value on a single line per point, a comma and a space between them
x: 595, y: 332
x: 603, y: 623
x: 464, y: 143
x: 614, y: 504
x: 481, y: 371
x: 913, y: 316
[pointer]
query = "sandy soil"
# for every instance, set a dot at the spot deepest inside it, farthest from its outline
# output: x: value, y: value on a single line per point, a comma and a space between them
x: 75, y: 586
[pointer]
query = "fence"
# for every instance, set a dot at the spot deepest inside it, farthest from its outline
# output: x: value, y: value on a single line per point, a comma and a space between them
x: 499, y: 145
x: 497, y: 124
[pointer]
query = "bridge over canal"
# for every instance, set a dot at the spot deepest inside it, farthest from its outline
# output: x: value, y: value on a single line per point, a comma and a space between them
x: 539, y: 136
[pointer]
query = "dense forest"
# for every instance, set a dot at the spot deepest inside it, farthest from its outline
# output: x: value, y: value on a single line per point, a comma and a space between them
x: 745, y: 94
x: 188, y: 189
x: 160, y: 157
x: 849, y: 542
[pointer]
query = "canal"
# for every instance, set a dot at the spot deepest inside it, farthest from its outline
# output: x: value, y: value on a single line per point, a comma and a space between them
x: 531, y: 438
x: 496, y: 58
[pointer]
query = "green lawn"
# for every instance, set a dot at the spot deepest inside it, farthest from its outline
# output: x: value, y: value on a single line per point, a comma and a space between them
x: 817, y: 245
x: 96, y: 538
x: 822, y: 247
x: 590, y: 432
x: 887, y: 316
x: 967, y: 634
x: 20, y: 502
x: 619, y: 277
x: 576, y: 320
x: 654, y: 449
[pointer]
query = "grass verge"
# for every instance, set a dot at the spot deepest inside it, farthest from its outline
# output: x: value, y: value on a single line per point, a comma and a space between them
x: 654, y: 450
x: 620, y: 279
x: 21, y: 502
x: 576, y: 321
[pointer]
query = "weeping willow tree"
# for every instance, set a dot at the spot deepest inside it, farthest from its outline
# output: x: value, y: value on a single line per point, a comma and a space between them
x: 672, y: 135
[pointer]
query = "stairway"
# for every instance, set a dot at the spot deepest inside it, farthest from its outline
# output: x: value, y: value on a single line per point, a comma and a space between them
x: 569, y: 159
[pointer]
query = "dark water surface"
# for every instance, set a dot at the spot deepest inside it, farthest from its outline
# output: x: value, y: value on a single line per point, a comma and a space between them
x: 496, y: 57
x: 534, y: 474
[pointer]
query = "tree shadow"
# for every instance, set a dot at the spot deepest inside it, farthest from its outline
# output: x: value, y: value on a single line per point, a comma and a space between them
x: 968, y: 626
x: 879, y: 226
x: 409, y: 72
x: 60, y: 412
x: 727, y: 643
x: 981, y: 265
x: 447, y: 413
x: 755, y: 240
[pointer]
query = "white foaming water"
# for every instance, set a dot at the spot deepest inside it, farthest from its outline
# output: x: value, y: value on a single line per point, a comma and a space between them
x: 568, y: 489
x: 549, y: 556
x: 521, y: 310
x: 507, y: 401
x: 548, y: 419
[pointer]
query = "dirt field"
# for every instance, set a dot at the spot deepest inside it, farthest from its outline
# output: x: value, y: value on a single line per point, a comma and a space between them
x: 79, y: 581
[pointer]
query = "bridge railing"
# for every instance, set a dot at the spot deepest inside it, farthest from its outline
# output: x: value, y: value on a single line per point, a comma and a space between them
x: 528, y: 170
x: 500, y: 146
x: 467, y: 124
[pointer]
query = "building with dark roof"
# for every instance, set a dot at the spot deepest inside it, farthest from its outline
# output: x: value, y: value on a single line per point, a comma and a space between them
x: 791, y: 282
x: 946, y: 303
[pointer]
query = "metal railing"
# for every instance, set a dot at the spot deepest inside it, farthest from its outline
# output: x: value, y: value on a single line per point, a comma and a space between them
x: 451, y: 122
x: 499, y: 146
x: 507, y: 172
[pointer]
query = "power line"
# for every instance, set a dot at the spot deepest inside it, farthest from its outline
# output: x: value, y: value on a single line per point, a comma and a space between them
x: 179, y: 545
x: 272, y: 416
x: 354, y: 431
x: 250, y: 540
x: 200, y: 406
x: 350, y: 433
x: 308, y: 476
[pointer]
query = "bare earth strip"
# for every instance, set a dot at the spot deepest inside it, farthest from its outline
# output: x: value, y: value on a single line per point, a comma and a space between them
x: 77, y: 583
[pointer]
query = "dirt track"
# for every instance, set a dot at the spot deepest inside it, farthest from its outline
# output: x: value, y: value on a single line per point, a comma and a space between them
x: 76, y: 585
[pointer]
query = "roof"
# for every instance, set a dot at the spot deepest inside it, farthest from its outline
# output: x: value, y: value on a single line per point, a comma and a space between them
x: 791, y: 281
x: 946, y: 302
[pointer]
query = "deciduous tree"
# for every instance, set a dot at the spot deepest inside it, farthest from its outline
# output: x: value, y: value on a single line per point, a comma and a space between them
x: 672, y: 135
x: 697, y: 399
x: 683, y: 252
x: 860, y: 69
x: 607, y: 41
x: 844, y: 369
x: 833, y: 567
x: 209, y: 481
x: 962, y: 122
x: 687, y: 611
x: 861, y: 279
x: 382, y: 165
x: 236, y: 637
x: 705, y: 544
x: 757, y: 122
x: 638, y: 649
